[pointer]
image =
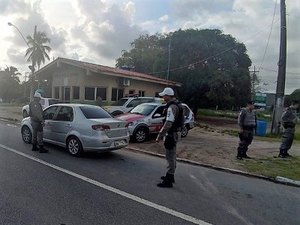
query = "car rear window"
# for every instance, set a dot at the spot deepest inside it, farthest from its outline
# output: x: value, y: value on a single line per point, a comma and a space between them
x: 121, y: 102
x: 94, y: 112
x: 53, y: 101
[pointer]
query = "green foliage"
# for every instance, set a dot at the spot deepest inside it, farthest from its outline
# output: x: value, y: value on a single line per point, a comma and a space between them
x: 213, y: 67
x: 10, y: 87
x: 294, y: 96
x: 37, y: 51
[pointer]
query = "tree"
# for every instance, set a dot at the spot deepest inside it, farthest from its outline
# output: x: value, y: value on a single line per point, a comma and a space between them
x: 10, y: 87
x: 37, y: 51
x: 213, y: 67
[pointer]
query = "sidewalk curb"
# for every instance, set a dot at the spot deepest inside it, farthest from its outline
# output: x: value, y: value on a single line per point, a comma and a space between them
x: 278, y: 179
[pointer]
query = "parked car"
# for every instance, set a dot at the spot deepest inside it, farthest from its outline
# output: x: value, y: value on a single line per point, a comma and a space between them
x: 79, y: 128
x: 126, y: 104
x: 148, y: 118
x: 45, y: 102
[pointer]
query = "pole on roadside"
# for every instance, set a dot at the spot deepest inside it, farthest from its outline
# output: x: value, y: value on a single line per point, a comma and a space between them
x: 31, y: 67
x: 279, y: 100
x: 169, y: 58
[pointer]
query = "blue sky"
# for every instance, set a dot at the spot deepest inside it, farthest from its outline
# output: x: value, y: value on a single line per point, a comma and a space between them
x: 98, y: 30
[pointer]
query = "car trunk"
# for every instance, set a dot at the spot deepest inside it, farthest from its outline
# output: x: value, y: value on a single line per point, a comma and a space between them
x: 112, y: 127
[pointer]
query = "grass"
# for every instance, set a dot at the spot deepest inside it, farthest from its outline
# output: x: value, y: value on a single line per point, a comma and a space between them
x: 273, y: 167
x: 217, y: 113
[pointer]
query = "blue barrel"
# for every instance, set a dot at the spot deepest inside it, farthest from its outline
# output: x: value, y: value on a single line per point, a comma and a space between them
x: 261, y: 128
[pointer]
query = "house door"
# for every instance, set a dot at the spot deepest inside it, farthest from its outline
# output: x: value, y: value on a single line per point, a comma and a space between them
x: 67, y: 94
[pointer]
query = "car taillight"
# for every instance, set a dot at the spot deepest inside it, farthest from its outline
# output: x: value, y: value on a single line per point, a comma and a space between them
x: 100, y: 127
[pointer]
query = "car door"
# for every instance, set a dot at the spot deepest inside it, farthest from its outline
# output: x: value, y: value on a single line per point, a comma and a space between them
x: 63, y: 124
x: 49, y: 115
x: 156, y: 121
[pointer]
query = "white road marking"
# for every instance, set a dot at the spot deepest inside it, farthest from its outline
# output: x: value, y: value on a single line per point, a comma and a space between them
x: 112, y: 189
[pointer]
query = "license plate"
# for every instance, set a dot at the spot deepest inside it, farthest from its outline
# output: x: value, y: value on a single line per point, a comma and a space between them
x: 120, y: 143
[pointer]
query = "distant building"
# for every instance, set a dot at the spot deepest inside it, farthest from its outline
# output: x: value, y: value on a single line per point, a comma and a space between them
x: 72, y: 80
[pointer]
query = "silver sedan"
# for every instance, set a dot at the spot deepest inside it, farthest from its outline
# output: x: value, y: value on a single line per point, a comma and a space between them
x: 79, y: 128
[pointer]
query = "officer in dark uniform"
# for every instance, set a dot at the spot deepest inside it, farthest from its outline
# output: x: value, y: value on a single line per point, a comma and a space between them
x: 170, y: 133
x: 289, y: 120
x: 247, y: 124
x: 37, y: 122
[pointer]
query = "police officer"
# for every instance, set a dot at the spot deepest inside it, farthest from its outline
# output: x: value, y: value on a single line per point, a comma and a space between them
x: 247, y: 124
x: 170, y: 132
x: 37, y: 122
x: 289, y: 120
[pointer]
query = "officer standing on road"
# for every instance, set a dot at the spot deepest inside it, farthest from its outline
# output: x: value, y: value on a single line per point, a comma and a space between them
x: 247, y: 124
x: 170, y: 132
x: 37, y: 123
x: 289, y: 120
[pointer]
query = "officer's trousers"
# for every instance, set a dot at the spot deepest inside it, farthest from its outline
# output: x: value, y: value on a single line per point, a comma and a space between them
x: 287, y: 140
x: 170, y: 146
x: 246, y: 138
x: 37, y: 134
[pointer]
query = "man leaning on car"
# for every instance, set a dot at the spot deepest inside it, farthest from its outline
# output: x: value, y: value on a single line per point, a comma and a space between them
x: 37, y: 122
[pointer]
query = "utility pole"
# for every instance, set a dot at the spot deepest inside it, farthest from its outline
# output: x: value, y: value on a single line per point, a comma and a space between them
x: 279, y: 101
x: 254, y: 77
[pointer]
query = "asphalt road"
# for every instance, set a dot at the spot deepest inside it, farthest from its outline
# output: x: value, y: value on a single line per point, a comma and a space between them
x: 120, y: 188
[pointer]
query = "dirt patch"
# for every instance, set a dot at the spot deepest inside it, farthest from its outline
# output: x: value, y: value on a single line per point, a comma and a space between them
x: 215, y: 148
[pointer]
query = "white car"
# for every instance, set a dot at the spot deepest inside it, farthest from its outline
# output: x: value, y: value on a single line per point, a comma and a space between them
x: 45, y: 102
x: 80, y: 128
x: 126, y: 104
x: 148, y: 118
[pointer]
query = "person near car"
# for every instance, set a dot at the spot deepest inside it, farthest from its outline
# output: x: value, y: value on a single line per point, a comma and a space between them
x: 99, y: 101
x: 289, y: 120
x: 37, y: 122
x: 247, y: 124
x: 170, y: 133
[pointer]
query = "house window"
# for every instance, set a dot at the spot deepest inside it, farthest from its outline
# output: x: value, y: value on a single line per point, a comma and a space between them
x: 56, y: 92
x: 76, y: 92
x: 131, y: 92
x: 116, y: 94
x: 141, y: 93
x: 89, y: 93
x: 101, y: 92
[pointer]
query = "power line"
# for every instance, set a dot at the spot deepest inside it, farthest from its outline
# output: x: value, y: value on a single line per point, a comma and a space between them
x: 275, y: 71
x: 271, y: 29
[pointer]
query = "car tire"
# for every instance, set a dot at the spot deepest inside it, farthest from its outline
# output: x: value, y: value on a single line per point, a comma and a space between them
x: 26, y: 134
x: 74, y: 146
x: 140, y: 134
x: 184, y: 131
x: 25, y: 114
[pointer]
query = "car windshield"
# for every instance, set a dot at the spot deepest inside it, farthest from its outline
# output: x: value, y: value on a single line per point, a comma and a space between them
x: 121, y: 102
x: 143, y: 109
x: 94, y: 112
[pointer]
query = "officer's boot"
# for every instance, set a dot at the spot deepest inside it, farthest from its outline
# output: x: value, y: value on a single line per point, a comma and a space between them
x: 167, y: 182
x: 164, y: 177
x: 282, y: 153
x: 34, y: 147
x: 239, y: 154
x: 286, y: 153
x: 42, y: 150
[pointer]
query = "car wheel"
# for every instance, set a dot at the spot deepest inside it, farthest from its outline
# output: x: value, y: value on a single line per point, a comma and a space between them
x: 74, y: 146
x: 26, y: 134
x: 184, y: 131
x: 140, y: 135
x: 25, y: 114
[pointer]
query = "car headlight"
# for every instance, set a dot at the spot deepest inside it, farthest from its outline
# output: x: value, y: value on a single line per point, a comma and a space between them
x: 130, y: 124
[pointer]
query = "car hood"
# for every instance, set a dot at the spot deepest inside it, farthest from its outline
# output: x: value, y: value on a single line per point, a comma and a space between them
x: 130, y: 117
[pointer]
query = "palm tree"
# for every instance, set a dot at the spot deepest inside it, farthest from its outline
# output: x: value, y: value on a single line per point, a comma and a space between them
x: 37, y: 51
x: 13, y: 73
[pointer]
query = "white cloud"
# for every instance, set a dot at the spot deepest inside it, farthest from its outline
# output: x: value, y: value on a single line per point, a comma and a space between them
x: 98, y: 30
